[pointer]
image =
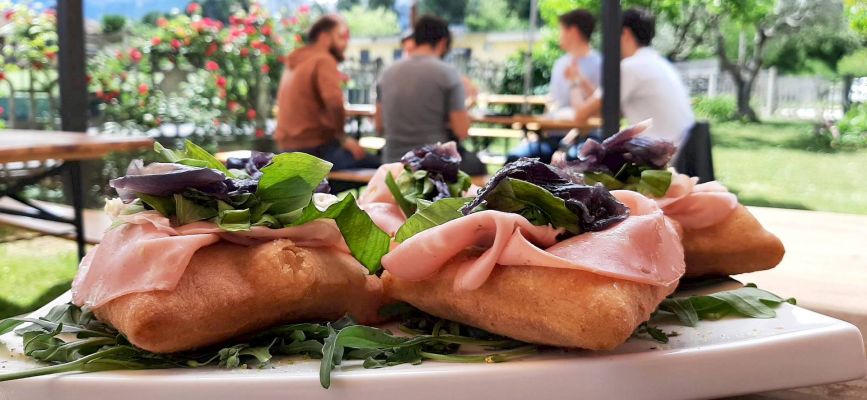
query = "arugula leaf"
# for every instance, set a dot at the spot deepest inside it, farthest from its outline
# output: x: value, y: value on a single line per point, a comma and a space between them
x: 538, y: 205
x: 405, y: 205
x: 289, y: 181
x: 187, y: 211
x: 430, y: 215
x: 234, y: 220
x: 748, y: 301
x: 649, y: 182
x: 366, y: 241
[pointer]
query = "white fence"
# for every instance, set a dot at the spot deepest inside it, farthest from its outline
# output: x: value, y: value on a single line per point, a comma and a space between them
x: 791, y: 97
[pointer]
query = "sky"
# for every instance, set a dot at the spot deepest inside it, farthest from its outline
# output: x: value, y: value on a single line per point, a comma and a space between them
x: 135, y: 9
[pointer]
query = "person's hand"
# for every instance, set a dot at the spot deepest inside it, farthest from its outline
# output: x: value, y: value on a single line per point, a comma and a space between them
x: 353, y: 147
x: 573, y: 72
x: 558, y: 159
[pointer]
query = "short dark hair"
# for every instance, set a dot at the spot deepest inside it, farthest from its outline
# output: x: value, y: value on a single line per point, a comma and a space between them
x: 642, y: 24
x: 429, y: 29
x: 325, y: 24
x: 581, y: 19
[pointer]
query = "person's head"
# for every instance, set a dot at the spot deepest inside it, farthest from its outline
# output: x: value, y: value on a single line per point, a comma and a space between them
x: 576, y: 29
x: 330, y: 32
x: 433, y: 32
x: 639, y: 27
x: 407, y: 43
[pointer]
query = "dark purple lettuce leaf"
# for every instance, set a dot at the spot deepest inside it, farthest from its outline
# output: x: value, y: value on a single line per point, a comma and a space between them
x: 627, y: 146
x: 593, y: 206
x: 442, y: 159
x: 164, y: 179
x: 252, y: 165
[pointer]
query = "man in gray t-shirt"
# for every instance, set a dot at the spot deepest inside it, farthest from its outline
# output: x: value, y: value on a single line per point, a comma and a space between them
x: 420, y: 99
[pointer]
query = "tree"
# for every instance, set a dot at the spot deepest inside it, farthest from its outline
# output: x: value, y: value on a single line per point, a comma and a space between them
x: 856, y: 12
x: 491, y: 16
x: 452, y: 11
x: 365, y: 22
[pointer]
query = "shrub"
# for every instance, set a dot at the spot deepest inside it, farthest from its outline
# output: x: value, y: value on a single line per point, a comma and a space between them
x: 719, y: 108
x: 852, y: 129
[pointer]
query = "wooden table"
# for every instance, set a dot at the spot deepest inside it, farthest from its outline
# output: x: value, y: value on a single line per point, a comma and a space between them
x: 65, y: 150
x: 513, y: 99
x: 523, y: 122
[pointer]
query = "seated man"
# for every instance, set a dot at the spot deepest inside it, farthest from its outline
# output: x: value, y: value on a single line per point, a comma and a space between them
x: 650, y: 87
x: 420, y: 98
x: 311, y: 113
x: 574, y: 77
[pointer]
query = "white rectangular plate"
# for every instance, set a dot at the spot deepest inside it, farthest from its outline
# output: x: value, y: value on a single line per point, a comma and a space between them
x: 718, y: 358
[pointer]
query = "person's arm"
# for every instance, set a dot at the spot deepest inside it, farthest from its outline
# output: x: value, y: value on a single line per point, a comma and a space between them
x: 377, y: 119
x: 328, y: 86
x: 460, y: 123
x: 459, y: 119
x: 588, y: 108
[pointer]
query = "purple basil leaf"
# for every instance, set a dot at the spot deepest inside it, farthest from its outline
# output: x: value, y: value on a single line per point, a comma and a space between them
x: 627, y: 146
x: 594, y: 206
x: 442, y: 159
x: 163, y: 179
x: 252, y: 165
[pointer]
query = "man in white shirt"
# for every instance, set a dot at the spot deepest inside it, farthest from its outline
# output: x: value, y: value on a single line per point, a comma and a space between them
x: 574, y: 77
x: 650, y: 87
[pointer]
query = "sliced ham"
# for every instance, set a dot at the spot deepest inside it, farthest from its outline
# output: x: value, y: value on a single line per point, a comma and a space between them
x: 146, y: 253
x: 378, y: 202
x: 644, y: 248
x: 694, y: 205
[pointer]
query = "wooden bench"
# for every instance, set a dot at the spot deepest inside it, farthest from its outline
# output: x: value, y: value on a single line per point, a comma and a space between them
x: 95, y: 221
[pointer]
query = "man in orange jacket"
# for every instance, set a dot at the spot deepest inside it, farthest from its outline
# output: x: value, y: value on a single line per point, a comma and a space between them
x: 311, y: 113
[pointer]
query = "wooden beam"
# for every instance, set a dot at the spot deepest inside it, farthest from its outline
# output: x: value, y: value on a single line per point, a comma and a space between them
x: 611, y: 28
x: 71, y: 63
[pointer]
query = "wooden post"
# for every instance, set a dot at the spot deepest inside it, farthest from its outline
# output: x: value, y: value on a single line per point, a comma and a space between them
x: 71, y: 66
x: 611, y: 28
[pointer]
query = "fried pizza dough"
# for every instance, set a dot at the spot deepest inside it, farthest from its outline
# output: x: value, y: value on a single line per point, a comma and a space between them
x: 737, y: 245
x: 551, y: 306
x: 229, y: 290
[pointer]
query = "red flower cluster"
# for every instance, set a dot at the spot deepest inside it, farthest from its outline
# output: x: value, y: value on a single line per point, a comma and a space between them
x: 135, y: 55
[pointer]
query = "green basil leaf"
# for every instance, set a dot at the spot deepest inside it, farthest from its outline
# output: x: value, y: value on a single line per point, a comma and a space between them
x: 234, y: 220
x: 405, y: 205
x: 195, y: 152
x: 187, y: 211
x: 463, y: 183
x: 654, y: 182
x: 610, y: 182
x: 168, y: 155
x: 365, y: 240
x: 163, y: 205
x: 430, y: 215
x: 289, y: 181
x: 538, y: 205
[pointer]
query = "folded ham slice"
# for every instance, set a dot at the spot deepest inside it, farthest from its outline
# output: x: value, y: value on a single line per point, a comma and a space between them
x: 146, y: 253
x: 694, y: 205
x: 378, y: 202
x: 645, y: 248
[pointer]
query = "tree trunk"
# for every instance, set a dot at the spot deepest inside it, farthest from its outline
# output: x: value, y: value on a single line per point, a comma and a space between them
x: 744, y: 93
x: 847, y: 87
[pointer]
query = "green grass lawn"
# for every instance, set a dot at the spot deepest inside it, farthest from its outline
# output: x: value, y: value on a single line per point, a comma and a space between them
x: 771, y: 164
x: 785, y: 165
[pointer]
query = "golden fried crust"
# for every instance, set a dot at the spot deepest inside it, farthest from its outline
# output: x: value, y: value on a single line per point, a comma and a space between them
x: 229, y: 290
x: 552, y: 306
x: 737, y: 245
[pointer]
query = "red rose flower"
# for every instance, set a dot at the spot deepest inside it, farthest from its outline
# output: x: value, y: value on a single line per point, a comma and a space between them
x: 99, y: 94
x: 221, y: 82
x: 2, y: 76
x: 2, y: 110
x: 162, y: 22
x: 293, y: 20
x: 265, y: 69
x: 50, y: 55
x: 211, y: 50
x: 245, y: 52
x: 155, y: 41
x: 266, y: 30
x: 255, y: 44
x: 135, y: 55
x: 233, y: 106
x: 234, y: 20
x: 176, y: 44
x: 251, y: 114
x: 250, y: 30
x: 259, y: 132
x: 298, y: 39
x: 304, y: 9
x: 194, y: 8
x: 211, y: 66
x: 143, y: 89
x: 265, y: 49
x: 9, y: 14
